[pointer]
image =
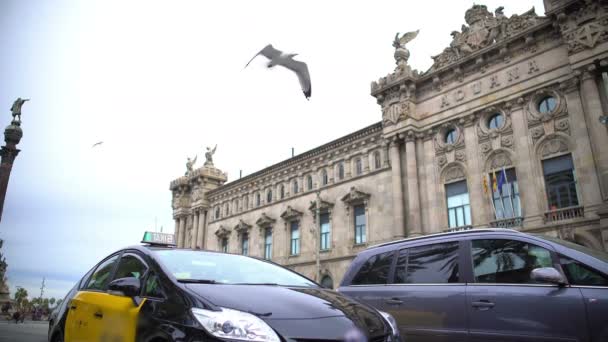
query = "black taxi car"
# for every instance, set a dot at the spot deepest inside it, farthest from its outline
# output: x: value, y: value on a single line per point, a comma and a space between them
x: 156, y: 293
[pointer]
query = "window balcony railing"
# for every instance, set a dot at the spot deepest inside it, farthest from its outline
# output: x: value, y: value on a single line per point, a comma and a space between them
x: 510, y: 222
x: 457, y: 229
x: 564, y: 214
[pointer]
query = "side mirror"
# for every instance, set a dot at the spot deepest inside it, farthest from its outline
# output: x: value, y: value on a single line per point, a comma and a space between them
x: 128, y: 287
x: 548, y: 275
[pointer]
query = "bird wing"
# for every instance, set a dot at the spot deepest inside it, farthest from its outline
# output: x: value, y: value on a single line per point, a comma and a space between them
x: 269, y: 52
x: 408, y: 37
x: 97, y: 144
x: 301, y: 69
x: 194, y: 160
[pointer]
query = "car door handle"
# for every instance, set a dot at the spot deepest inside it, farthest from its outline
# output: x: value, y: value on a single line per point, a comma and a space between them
x: 72, y: 307
x: 393, y: 301
x: 98, y: 314
x: 483, y: 305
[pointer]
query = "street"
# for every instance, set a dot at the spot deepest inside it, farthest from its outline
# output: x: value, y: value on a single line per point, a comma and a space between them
x: 23, y: 332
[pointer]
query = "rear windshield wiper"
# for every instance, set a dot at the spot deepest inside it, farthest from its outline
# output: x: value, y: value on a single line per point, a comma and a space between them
x: 198, y: 281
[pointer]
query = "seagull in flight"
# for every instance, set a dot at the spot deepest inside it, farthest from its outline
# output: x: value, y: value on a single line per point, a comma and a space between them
x: 277, y: 57
x: 97, y: 144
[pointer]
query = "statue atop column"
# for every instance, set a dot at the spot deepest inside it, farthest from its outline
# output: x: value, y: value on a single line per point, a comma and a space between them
x: 190, y: 165
x: 209, y: 156
x: 402, y: 54
x: 16, y: 108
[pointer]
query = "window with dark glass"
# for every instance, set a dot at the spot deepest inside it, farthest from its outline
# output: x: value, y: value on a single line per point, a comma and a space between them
x: 225, y: 245
x: 359, y: 213
x: 358, y: 166
x: 236, y: 206
x: 309, y: 182
x: 153, y: 287
x: 459, y: 209
x: 246, y: 202
x: 101, y: 276
x: 450, y: 136
x: 324, y: 177
x: 580, y: 274
x: 507, y: 261
x: 295, y: 238
x: 245, y: 244
x: 341, y: 171
x: 432, y: 264
x: 506, y: 200
x: 495, y: 121
x: 377, y: 161
x: 547, y: 104
x: 295, y: 187
x: 268, y: 243
x: 269, y: 196
x: 327, y: 282
x: 227, y: 209
x: 325, y: 232
x: 217, y: 213
x: 560, y: 182
x: 375, y: 270
x: 258, y: 200
x: 130, y: 266
x: 282, y: 191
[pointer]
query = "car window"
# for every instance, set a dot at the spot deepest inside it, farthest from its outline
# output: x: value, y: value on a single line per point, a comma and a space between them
x: 101, y: 276
x: 507, y: 261
x: 580, y: 274
x: 130, y: 266
x: 432, y: 264
x: 152, y: 287
x: 375, y: 270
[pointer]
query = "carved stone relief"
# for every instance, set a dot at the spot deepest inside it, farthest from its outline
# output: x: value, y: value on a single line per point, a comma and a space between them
x: 587, y: 27
x: 553, y: 146
x: 453, y: 173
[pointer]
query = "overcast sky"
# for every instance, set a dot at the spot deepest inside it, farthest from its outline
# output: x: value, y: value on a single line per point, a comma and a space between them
x: 157, y: 81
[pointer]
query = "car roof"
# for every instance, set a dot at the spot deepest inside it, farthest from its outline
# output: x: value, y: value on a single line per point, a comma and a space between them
x: 447, y: 234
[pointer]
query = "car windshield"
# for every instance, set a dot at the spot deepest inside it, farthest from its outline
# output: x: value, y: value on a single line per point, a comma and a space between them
x: 591, y: 252
x: 206, y: 267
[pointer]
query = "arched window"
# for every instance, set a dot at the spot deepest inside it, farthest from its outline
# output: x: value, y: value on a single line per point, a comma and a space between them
x: 358, y: 167
x: 227, y: 209
x: 309, y: 182
x: 236, y: 207
x: 327, y: 282
x: 450, y: 136
x: 246, y: 202
x: 377, y: 161
x: 269, y: 196
x: 295, y: 187
x: 341, y: 171
x: 324, y: 178
x: 282, y: 191
x: 258, y: 199
x: 547, y: 104
x: 217, y: 213
x: 495, y: 121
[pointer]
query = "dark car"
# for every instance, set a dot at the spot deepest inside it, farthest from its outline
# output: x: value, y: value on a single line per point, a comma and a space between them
x: 152, y: 293
x: 485, y: 285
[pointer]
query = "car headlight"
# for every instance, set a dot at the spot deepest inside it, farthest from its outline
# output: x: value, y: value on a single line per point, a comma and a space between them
x: 391, y: 321
x: 235, y: 325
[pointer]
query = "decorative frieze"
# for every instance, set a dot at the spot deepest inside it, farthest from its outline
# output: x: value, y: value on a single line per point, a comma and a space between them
x: 586, y: 27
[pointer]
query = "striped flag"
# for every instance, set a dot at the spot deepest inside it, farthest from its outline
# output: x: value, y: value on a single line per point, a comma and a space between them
x: 485, y: 184
x: 494, y: 182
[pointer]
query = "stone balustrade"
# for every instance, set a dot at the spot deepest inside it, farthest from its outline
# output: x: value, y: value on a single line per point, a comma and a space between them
x: 564, y: 214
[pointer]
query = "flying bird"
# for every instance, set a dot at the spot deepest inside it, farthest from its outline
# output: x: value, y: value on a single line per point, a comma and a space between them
x: 277, y: 57
x: 97, y: 144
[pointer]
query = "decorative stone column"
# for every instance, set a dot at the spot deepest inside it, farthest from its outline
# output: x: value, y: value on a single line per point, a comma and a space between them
x: 414, y: 227
x: 182, y: 232
x: 597, y: 132
x: 395, y: 156
x: 474, y: 172
x: 195, y: 224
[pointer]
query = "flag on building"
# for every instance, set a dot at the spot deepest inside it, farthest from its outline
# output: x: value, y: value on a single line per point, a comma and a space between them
x: 502, y: 177
x: 494, y: 188
x: 485, y: 184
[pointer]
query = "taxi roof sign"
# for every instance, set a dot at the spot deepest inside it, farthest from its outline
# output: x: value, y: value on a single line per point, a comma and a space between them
x: 160, y: 239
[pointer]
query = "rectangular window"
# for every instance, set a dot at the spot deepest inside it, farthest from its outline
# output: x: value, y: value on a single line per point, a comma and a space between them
x: 375, y: 270
x: 359, y: 213
x: 507, y: 204
x: 295, y: 238
x: 433, y: 264
x: 225, y: 245
x: 459, y: 208
x: 245, y: 244
x: 560, y: 182
x: 325, y: 232
x: 268, y: 244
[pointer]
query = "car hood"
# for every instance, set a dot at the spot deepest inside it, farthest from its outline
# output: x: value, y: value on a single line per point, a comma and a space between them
x: 275, y: 303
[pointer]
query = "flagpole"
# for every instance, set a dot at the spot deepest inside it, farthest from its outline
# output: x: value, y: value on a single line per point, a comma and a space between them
x: 510, y: 192
x: 502, y: 203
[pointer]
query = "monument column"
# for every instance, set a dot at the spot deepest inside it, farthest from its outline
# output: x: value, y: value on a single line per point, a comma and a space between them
x: 176, y: 229
x: 182, y: 231
x: 395, y: 156
x: 597, y: 132
x: 413, y: 190
x: 8, y: 152
x: 196, y: 217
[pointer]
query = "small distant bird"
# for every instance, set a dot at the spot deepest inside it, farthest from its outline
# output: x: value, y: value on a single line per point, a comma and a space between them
x: 277, y: 57
x: 97, y: 144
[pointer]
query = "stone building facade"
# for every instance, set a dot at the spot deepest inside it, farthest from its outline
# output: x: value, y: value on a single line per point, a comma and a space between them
x: 513, y: 102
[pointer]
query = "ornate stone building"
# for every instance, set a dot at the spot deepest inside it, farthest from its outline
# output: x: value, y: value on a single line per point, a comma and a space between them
x: 503, y: 130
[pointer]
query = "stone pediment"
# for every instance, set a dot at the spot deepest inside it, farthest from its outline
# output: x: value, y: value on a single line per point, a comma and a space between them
x: 355, y: 196
x: 222, y: 232
x: 325, y: 206
x: 265, y: 221
x: 484, y: 29
x: 242, y: 227
x: 291, y: 214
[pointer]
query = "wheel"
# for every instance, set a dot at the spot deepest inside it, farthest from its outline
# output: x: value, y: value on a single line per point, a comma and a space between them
x: 58, y: 337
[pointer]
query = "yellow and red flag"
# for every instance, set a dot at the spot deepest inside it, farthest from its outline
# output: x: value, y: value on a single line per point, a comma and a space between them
x: 485, y: 184
x: 494, y: 182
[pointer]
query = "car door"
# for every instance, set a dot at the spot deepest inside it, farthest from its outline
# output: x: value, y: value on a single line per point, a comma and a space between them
x: 119, y: 313
x: 83, y: 321
x: 505, y: 304
x: 427, y: 297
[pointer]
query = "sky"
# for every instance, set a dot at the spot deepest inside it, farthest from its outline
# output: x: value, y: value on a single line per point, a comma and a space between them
x: 157, y: 82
